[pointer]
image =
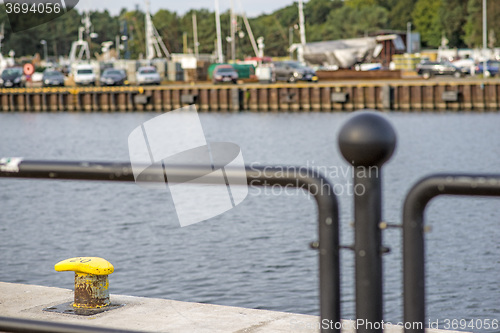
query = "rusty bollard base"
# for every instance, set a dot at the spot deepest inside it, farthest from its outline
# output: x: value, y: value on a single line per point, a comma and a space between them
x: 91, y: 286
x: 91, y: 291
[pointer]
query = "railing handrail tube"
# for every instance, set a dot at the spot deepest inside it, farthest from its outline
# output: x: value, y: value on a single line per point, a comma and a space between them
x: 413, y: 233
x: 299, y: 177
x: 27, y: 325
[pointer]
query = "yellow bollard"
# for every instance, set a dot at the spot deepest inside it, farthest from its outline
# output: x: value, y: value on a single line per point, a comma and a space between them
x: 91, y: 281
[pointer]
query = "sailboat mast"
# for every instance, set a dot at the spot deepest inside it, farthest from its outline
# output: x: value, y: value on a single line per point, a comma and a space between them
x: 195, y: 36
x: 302, y: 27
x: 2, y: 34
x: 233, y: 32
x: 220, y: 56
x: 249, y: 30
x: 302, y: 24
x: 154, y: 43
x: 150, y: 50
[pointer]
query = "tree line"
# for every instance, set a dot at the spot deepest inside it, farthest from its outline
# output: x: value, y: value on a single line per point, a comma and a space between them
x: 459, y: 21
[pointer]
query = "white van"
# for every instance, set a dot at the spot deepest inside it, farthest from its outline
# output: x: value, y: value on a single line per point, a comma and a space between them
x: 84, y: 75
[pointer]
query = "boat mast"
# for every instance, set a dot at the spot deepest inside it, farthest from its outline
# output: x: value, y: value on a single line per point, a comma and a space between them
x: 233, y: 32
x: 302, y: 31
x: 81, y: 43
x: 195, y: 36
x: 220, y: 56
x: 249, y: 30
x: 485, y: 45
x: 150, y: 49
x: 2, y: 60
x: 2, y: 35
x: 154, y: 43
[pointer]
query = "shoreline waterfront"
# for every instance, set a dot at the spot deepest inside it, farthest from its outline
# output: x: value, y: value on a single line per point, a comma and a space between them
x: 174, y: 316
x: 395, y: 95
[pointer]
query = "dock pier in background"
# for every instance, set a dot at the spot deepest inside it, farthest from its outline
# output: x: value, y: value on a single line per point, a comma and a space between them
x: 415, y: 96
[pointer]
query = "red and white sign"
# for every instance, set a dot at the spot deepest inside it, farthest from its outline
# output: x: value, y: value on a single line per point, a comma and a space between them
x: 28, y: 69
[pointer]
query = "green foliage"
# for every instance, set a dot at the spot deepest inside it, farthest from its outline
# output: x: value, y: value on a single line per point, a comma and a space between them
x: 427, y: 21
x: 399, y: 12
x: 317, y: 11
x: 453, y: 15
x: 459, y: 20
x: 473, y: 27
x: 474, y: 22
x: 349, y: 22
x: 168, y: 25
x: 358, y: 4
x: 135, y: 23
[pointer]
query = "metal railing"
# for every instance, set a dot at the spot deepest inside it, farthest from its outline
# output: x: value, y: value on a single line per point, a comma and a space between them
x: 38, y: 326
x: 366, y: 141
x: 413, y: 233
x: 319, y: 187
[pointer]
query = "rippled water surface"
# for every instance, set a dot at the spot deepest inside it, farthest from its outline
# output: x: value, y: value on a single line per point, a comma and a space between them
x: 257, y: 254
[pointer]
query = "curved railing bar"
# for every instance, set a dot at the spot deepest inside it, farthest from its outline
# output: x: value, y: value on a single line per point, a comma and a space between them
x: 413, y: 233
x: 27, y: 325
x: 298, y: 177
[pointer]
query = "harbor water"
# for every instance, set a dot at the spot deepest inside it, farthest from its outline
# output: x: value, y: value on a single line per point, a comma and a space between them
x: 256, y: 255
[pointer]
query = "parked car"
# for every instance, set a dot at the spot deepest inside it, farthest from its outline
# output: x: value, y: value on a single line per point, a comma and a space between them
x: 293, y: 71
x: 37, y: 77
x: 429, y: 69
x: 147, y: 75
x: 492, y: 66
x: 84, y: 75
x: 113, y: 77
x: 13, y: 77
x: 52, y: 78
x: 465, y: 65
x: 224, y: 73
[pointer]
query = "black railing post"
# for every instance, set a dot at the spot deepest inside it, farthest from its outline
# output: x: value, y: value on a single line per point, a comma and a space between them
x: 367, y: 141
x: 413, y: 234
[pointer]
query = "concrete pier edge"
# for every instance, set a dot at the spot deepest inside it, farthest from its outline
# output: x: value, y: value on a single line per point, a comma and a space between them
x: 161, y: 315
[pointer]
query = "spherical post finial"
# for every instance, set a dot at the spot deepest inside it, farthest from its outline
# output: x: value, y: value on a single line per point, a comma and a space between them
x: 367, y: 139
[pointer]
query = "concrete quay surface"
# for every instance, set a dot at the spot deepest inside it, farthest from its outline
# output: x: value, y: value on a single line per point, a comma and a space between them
x: 160, y: 315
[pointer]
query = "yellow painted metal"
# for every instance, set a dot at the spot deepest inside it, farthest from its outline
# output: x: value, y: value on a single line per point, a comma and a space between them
x: 91, y: 280
x: 72, y: 90
x: 87, y: 265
